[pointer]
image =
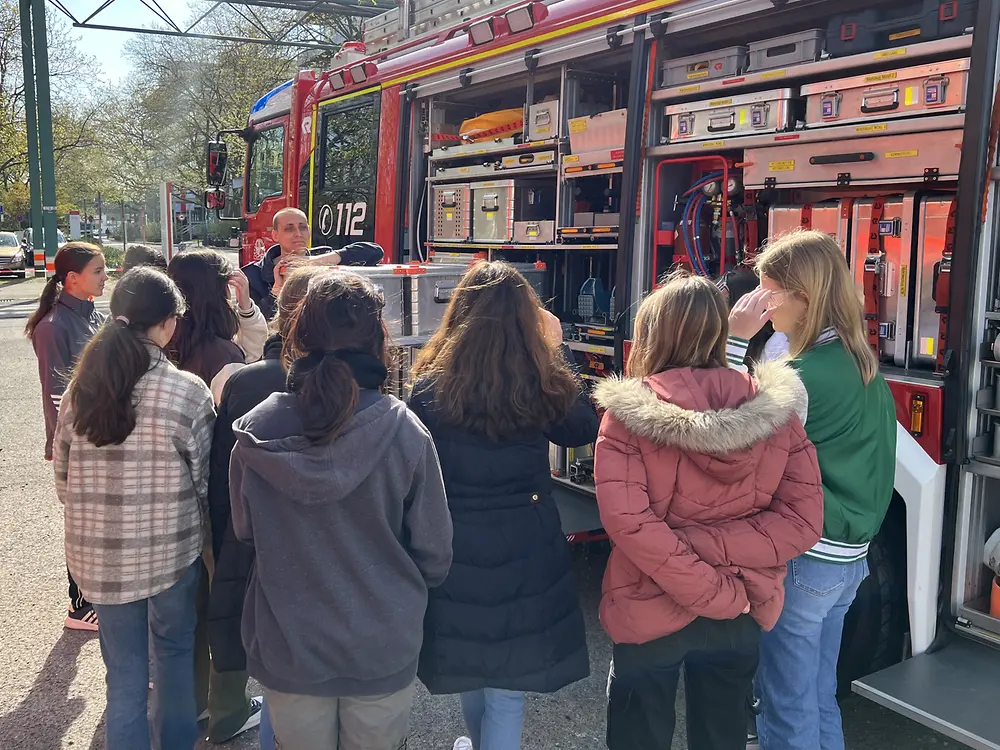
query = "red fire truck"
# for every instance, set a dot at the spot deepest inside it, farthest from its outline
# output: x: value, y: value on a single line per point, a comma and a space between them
x: 601, y: 142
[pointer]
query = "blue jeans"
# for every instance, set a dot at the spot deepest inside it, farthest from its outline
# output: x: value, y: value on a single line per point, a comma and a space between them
x: 494, y: 718
x: 164, y: 622
x: 266, y: 730
x: 797, y: 676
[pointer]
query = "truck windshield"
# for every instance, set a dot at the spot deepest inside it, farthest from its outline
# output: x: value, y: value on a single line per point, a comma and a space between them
x: 267, y: 161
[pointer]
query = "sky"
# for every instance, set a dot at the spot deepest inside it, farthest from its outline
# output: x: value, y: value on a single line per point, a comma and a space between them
x: 108, y: 46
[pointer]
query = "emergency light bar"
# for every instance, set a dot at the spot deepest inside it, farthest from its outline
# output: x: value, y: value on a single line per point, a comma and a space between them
x: 482, y: 32
x: 337, y: 81
x: 520, y: 19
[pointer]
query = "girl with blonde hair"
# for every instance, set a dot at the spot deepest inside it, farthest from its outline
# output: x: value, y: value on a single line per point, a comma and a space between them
x: 707, y: 485
x: 807, y: 293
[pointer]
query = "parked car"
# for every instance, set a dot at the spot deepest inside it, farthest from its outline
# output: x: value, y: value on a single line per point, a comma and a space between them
x: 13, y: 257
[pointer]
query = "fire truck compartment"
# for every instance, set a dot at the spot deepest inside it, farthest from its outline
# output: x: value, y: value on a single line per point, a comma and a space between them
x: 952, y: 691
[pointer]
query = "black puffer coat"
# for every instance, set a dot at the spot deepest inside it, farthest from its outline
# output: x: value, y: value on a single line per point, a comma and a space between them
x: 234, y: 560
x: 508, y: 616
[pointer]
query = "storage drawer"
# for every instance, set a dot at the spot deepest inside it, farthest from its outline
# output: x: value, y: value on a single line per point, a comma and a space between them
x: 606, y: 219
x: 721, y: 63
x: 530, y: 232
x: 543, y: 121
x: 763, y: 112
x: 912, y: 157
x: 936, y: 87
x: 932, y: 235
x: 598, y: 132
x: 392, y: 280
x: 497, y: 205
x: 832, y: 217
x: 884, y: 28
x: 534, y: 159
x: 793, y: 49
x: 583, y: 219
x: 449, y: 213
x: 431, y: 290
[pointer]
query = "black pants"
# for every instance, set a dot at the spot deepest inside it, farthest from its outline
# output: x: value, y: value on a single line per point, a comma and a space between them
x: 719, y: 659
x: 76, y: 599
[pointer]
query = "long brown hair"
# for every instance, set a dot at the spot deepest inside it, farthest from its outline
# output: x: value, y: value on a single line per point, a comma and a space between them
x: 292, y: 293
x: 684, y: 323
x: 73, y: 257
x: 117, y: 357
x: 203, y: 278
x: 341, y: 312
x: 490, y: 367
x: 811, y: 265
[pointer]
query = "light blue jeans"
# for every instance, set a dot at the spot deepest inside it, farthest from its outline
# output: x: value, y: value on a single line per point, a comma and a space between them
x: 494, y: 718
x: 797, y: 676
x: 266, y: 730
x: 164, y: 623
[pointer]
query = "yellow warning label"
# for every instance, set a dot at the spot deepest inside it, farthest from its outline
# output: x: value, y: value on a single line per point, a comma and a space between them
x: 911, y: 96
x: 904, y: 35
x: 463, y: 170
x: 713, y: 144
x: 878, y: 77
x: 871, y: 128
x: 902, y: 280
x: 770, y: 75
x: 887, y: 53
x: 578, y: 125
x: 743, y: 117
x: 901, y: 154
x: 689, y: 89
x: 571, y: 159
x: 449, y: 216
x: 697, y: 74
x: 785, y: 165
x: 720, y: 102
x: 927, y: 346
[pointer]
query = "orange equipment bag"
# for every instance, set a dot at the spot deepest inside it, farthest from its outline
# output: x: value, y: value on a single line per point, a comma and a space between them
x: 506, y: 122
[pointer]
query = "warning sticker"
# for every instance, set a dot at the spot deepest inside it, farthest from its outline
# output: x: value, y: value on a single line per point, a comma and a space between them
x: 927, y: 346
x: 770, y: 75
x: 743, y: 117
x: 449, y: 216
x: 785, y: 165
x: 904, y: 35
x: 697, y: 74
x: 902, y: 280
x: 720, y: 102
x: 901, y: 154
x: 887, y: 53
x: 713, y: 144
x: 571, y: 159
x: 689, y: 89
x: 878, y: 77
x: 578, y: 125
x: 871, y: 128
x: 911, y: 96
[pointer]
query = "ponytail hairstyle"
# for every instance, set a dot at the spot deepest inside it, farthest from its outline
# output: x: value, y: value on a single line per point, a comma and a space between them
x: 117, y: 357
x: 203, y: 278
x: 73, y: 257
x: 335, y: 331
x: 811, y: 265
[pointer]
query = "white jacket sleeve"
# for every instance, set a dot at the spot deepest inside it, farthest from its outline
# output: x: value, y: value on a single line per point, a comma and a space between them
x: 252, y: 333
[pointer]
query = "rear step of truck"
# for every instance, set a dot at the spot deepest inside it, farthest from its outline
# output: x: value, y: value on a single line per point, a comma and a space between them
x: 955, y: 691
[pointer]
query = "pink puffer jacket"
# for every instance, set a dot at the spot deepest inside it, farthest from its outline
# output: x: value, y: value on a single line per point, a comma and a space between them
x: 707, y: 486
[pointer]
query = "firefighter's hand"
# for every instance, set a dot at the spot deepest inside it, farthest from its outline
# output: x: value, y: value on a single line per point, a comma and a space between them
x: 750, y: 313
x: 281, y: 270
x: 551, y: 328
x: 241, y: 286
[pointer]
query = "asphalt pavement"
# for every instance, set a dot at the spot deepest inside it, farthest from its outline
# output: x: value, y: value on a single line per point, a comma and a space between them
x: 52, y: 689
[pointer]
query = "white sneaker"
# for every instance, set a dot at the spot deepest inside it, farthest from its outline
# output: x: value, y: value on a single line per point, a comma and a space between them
x: 462, y: 743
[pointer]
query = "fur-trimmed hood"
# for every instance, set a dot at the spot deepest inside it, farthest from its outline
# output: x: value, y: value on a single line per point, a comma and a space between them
x: 713, y: 411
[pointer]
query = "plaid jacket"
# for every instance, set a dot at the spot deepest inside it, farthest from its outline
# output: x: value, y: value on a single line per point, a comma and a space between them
x: 136, y: 513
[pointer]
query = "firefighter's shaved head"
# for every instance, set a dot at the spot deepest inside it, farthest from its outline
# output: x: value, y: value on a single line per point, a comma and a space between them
x: 291, y: 230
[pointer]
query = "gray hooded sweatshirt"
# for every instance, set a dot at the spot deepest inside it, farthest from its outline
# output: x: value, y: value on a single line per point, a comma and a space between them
x: 349, y: 536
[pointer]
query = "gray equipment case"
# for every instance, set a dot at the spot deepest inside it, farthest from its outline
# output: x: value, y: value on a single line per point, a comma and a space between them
x: 748, y: 114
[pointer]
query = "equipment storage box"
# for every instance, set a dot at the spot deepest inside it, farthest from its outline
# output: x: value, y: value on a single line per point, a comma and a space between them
x: 895, y: 241
x: 449, y: 209
x: 598, y: 132
x: 932, y: 228
x: 793, y: 49
x: 922, y: 89
x: 910, y: 157
x: 832, y: 217
x: 761, y: 112
x: 721, y: 63
x: 882, y: 28
x: 497, y: 205
x: 535, y: 232
x: 543, y: 121
x: 394, y: 282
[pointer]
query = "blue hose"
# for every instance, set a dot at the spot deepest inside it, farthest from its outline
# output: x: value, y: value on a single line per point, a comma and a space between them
x: 696, y: 200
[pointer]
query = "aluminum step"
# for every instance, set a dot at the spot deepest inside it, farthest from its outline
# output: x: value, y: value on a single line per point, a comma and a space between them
x: 954, y: 691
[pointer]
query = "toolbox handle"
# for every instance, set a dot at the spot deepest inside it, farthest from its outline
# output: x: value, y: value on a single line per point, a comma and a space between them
x: 781, y: 49
x: 443, y: 291
x: 942, y: 266
x: 887, y: 107
x: 731, y: 125
x: 491, y: 203
x: 854, y: 158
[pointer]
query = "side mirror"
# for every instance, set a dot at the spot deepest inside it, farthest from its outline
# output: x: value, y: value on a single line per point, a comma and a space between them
x: 216, y: 161
x: 215, y: 199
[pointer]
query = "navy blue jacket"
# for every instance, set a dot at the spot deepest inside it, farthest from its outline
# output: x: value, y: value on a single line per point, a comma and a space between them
x: 260, y: 273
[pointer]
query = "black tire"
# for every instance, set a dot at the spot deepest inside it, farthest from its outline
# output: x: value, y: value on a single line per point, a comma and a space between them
x: 876, y: 625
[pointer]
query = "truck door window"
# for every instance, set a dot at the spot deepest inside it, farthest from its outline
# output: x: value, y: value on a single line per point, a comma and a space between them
x: 344, y: 208
x: 267, y: 162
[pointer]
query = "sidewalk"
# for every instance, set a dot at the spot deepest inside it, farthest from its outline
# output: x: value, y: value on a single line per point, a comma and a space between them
x: 21, y: 290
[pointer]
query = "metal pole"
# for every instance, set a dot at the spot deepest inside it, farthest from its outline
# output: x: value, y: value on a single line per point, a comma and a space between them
x: 28, y: 61
x: 124, y: 228
x: 45, y: 145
